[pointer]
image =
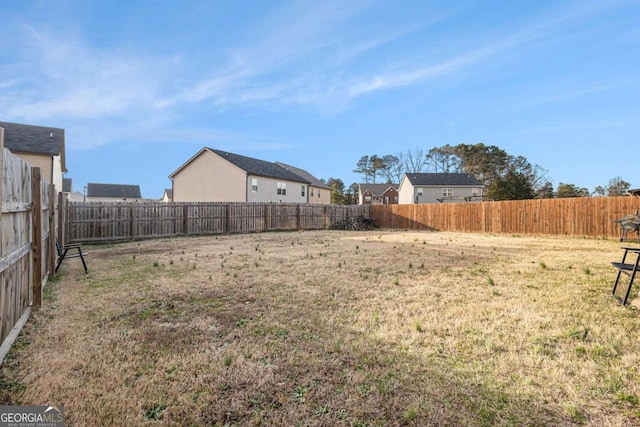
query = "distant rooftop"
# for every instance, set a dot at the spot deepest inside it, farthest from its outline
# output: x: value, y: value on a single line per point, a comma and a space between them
x: 376, y: 189
x: 259, y: 167
x: 115, y: 191
x: 67, y: 186
x: 304, y: 175
x: 33, y: 139
x: 427, y: 179
x: 20, y: 138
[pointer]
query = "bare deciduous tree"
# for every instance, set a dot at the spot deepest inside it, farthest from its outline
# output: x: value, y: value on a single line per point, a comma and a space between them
x: 414, y: 161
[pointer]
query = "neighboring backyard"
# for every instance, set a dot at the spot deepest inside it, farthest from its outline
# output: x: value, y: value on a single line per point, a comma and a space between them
x: 323, y: 328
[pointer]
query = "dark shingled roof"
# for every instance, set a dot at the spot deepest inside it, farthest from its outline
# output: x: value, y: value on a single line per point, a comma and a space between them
x: 33, y: 139
x: 259, y: 167
x: 427, y: 179
x: 376, y: 189
x: 66, y: 185
x: 304, y: 175
x: 116, y: 191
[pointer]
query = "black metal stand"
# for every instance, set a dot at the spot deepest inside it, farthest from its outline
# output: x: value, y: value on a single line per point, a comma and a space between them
x: 63, y: 253
x: 629, y: 269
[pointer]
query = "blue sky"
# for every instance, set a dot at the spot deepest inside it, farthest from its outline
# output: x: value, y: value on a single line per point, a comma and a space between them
x: 141, y: 86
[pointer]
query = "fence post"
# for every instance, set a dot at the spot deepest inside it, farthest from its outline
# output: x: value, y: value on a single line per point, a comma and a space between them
x: 266, y: 217
x: 36, y: 244
x: 324, y: 210
x: 51, y: 265
x: 185, y: 219
x: 132, y: 221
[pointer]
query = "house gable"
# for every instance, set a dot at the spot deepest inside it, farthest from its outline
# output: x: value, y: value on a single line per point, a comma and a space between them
x: 207, y: 177
x: 378, y: 193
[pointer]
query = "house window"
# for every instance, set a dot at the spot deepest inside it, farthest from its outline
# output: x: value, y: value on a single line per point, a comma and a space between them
x: 447, y: 192
x: 474, y: 192
x: 254, y: 185
x: 367, y: 199
x: 386, y: 200
x: 302, y: 190
x: 282, y: 188
x: 318, y: 193
x: 311, y: 192
x: 419, y: 192
x: 395, y: 199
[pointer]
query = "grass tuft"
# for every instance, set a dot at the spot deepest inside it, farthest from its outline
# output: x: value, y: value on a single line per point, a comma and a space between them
x: 154, y: 412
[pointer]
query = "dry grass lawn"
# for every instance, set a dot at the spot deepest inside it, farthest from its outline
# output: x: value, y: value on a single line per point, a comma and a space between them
x: 334, y: 328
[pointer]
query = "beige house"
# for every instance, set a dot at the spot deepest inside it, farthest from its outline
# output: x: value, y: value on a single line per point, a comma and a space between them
x: 439, y: 188
x: 218, y: 176
x: 41, y: 146
x: 113, y: 193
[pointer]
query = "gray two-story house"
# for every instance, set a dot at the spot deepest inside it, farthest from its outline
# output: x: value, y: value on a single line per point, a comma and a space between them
x: 439, y: 188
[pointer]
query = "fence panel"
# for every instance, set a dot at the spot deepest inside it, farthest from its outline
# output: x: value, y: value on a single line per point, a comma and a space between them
x: 102, y: 221
x: 583, y: 216
x: 16, y: 292
x: 203, y: 218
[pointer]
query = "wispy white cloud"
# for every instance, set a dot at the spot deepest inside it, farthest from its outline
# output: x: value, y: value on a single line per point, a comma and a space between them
x: 408, y: 76
x: 298, y: 61
x: 69, y: 79
x: 564, y: 96
x: 94, y: 135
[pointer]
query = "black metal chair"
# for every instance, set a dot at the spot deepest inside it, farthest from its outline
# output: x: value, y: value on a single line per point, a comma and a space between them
x: 63, y: 253
x: 628, y: 268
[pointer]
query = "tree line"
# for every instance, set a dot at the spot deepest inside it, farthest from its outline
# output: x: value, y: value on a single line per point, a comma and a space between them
x: 505, y: 176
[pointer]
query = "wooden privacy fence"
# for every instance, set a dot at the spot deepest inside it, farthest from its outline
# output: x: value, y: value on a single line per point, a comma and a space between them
x: 27, y: 245
x: 583, y: 216
x: 106, y: 222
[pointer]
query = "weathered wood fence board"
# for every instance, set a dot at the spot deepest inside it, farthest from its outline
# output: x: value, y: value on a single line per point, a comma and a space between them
x: 584, y: 216
x: 106, y: 222
x: 27, y: 245
x: 15, y: 253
